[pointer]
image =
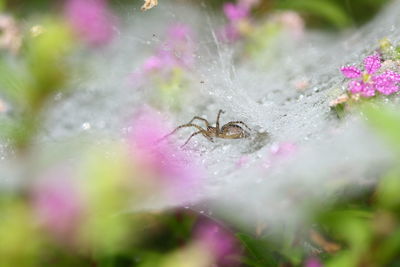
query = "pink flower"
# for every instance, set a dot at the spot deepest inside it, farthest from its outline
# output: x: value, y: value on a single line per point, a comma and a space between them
x: 58, y: 205
x: 235, y: 12
x: 176, y: 52
x: 91, y: 19
x: 218, y: 241
x: 313, y: 262
x: 368, y: 82
x: 172, y: 168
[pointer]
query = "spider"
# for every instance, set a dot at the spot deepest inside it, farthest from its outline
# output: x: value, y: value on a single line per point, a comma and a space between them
x: 230, y: 130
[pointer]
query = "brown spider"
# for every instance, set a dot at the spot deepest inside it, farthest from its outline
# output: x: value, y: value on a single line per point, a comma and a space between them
x: 231, y: 130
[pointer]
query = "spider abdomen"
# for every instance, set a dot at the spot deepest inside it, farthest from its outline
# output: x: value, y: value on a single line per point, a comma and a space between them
x: 233, y: 132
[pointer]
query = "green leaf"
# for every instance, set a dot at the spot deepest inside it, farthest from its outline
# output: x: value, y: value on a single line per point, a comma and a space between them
x: 13, y: 83
x: 388, y: 190
x: 259, y: 250
x: 386, y: 122
x: 389, y: 249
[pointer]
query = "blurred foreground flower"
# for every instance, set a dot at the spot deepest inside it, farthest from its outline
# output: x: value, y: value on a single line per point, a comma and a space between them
x: 58, y: 204
x: 175, y: 171
x: 368, y: 82
x: 313, y: 262
x: 222, y: 244
x: 10, y: 35
x: 92, y: 20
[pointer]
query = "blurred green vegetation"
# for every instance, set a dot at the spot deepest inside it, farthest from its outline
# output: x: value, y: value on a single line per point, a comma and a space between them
x: 333, y: 14
x: 30, y: 80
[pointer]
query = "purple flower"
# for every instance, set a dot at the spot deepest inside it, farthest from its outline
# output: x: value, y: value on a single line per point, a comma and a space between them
x: 171, y: 167
x: 91, y: 19
x: 176, y: 52
x: 58, y: 204
x: 235, y: 12
x: 368, y: 82
x: 221, y: 244
x: 313, y: 262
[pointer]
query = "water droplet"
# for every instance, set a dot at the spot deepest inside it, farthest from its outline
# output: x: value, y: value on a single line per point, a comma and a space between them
x: 86, y: 126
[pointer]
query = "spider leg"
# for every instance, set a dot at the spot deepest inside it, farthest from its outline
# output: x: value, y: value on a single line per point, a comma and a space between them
x: 193, y: 134
x: 180, y: 127
x: 217, y: 123
x: 238, y: 122
x: 204, y: 133
x: 199, y: 118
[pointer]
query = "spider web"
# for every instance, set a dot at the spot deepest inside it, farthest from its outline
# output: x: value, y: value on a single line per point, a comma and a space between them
x: 329, y: 153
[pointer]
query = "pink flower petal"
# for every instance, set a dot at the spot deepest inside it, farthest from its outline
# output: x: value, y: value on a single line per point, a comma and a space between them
x: 372, y: 63
x: 355, y: 86
x: 393, y: 76
x: 386, y: 83
x: 368, y: 90
x: 351, y: 72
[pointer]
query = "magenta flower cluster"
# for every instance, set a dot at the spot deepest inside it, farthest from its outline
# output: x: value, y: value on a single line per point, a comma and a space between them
x: 368, y: 82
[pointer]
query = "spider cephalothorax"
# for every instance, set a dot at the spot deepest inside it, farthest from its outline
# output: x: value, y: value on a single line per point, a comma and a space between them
x: 230, y: 130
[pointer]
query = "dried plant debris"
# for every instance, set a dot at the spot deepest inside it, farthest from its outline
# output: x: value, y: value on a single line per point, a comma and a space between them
x: 148, y: 4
